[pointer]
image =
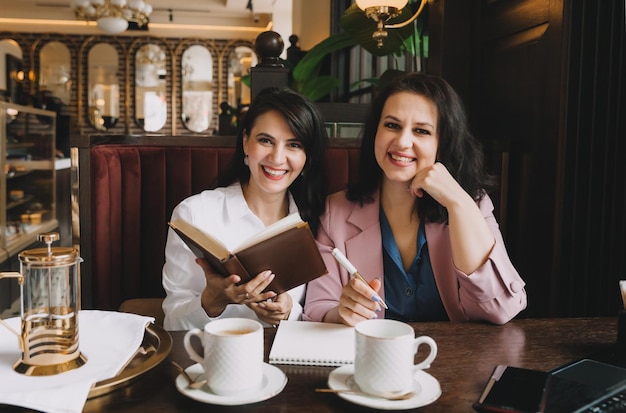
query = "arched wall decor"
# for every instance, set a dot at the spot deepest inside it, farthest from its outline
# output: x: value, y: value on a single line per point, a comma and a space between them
x: 55, y: 65
x: 223, y: 66
x: 151, y: 48
x: 13, y: 68
x: 187, y: 67
x: 126, y: 46
x: 83, y: 79
x: 103, y: 86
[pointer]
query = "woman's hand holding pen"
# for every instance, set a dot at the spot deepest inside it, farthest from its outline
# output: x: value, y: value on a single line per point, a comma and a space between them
x: 356, y: 303
x: 352, y: 306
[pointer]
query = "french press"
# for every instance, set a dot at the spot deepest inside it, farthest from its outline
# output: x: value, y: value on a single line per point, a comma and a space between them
x: 50, y: 301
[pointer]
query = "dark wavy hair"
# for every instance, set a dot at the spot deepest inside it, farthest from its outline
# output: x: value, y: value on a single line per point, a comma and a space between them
x: 459, y: 150
x: 309, y: 190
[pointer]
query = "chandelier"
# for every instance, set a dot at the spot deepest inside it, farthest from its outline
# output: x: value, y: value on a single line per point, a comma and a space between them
x: 113, y: 16
x: 383, y: 10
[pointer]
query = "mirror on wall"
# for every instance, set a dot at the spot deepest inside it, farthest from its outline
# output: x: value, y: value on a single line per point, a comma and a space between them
x: 197, y: 88
x: 55, y: 71
x: 240, y: 60
x: 150, y: 87
x: 12, y: 72
x: 104, y: 90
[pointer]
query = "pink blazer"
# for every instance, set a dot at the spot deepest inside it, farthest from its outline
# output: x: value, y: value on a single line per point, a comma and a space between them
x: 495, y: 292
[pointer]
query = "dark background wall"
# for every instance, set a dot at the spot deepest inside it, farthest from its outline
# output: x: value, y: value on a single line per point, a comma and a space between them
x: 545, y: 84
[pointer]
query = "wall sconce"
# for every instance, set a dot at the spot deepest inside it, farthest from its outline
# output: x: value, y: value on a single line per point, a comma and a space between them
x: 383, y: 10
x: 18, y: 75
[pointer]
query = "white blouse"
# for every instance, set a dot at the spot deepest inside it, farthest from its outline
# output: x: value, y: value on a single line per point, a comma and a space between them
x: 224, y: 213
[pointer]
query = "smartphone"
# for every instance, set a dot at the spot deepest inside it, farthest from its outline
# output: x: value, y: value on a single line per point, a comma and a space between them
x: 513, y: 390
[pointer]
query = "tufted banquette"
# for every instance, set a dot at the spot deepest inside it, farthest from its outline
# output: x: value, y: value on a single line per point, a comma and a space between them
x: 125, y: 189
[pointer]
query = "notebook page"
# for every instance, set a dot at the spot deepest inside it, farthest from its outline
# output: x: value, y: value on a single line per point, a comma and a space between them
x: 310, y: 343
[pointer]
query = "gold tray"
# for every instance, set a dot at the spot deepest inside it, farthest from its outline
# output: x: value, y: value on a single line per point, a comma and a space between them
x: 155, y: 347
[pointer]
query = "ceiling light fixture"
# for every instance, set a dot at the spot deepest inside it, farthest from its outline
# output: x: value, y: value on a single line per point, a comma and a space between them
x: 113, y: 16
x: 383, y: 10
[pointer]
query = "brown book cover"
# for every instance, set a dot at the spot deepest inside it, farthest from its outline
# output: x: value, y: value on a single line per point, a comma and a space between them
x: 287, y: 248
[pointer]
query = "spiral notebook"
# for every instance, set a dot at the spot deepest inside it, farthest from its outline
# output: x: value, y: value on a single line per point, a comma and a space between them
x: 310, y: 343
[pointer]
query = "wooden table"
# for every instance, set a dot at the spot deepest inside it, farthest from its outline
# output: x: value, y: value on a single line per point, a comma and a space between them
x: 468, y: 352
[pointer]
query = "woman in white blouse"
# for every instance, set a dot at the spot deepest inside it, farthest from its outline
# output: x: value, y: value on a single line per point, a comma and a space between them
x: 277, y: 169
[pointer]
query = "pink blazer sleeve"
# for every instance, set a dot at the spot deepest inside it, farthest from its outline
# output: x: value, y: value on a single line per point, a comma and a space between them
x: 494, y: 292
x: 349, y: 228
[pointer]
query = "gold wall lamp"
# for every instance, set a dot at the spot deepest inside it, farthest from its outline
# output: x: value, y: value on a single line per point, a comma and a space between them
x: 382, y: 11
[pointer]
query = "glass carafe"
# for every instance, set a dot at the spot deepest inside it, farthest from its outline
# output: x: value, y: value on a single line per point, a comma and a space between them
x: 50, y: 301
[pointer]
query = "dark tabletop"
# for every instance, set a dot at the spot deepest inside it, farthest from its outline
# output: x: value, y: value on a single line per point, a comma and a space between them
x: 468, y: 352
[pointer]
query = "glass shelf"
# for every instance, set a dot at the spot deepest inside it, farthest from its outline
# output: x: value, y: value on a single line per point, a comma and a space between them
x: 28, y: 197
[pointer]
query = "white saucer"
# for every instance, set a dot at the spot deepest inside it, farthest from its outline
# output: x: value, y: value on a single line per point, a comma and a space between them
x: 342, y: 378
x: 274, y: 381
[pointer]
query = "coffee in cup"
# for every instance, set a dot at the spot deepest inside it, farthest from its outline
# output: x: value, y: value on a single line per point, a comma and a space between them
x: 233, y: 354
x: 384, y: 356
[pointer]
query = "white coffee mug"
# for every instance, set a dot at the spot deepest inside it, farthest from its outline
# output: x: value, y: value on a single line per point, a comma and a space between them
x: 233, y: 354
x: 384, y: 356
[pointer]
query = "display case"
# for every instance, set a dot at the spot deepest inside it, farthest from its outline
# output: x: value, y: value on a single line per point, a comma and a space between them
x: 28, y: 184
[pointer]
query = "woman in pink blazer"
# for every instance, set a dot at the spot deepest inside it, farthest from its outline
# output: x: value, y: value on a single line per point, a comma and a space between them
x: 418, y: 224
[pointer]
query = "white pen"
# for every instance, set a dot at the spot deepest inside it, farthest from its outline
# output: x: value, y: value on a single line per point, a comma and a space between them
x: 355, y: 273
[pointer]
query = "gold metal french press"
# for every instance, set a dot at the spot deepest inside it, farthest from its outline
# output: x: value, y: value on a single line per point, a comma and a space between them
x: 50, y: 302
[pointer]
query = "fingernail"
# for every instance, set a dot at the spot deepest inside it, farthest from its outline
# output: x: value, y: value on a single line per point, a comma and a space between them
x: 375, y: 316
x: 379, y: 308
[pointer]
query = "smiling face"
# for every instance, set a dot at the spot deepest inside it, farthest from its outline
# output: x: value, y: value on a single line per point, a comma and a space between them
x: 406, y: 138
x: 275, y: 156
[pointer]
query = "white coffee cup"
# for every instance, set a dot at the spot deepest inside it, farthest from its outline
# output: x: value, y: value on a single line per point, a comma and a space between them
x: 233, y: 354
x: 384, y: 356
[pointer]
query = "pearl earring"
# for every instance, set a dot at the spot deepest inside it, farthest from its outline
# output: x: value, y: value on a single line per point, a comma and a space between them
x: 245, y: 160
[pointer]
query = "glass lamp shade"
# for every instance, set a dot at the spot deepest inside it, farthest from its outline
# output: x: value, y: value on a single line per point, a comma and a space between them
x: 136, y: 4
x: 364, y: 4
x: 112, y: 24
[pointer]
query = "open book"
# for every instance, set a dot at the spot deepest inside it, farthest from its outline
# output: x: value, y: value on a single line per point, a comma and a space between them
x: 287, y: 248
x: 311, y: 343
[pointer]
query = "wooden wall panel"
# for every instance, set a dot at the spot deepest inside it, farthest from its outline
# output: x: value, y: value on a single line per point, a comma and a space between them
x: 516, y: 104
x: 592, y: 257
x: 548, y: 93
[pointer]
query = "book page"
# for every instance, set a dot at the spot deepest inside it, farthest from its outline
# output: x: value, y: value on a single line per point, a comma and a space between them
x: 272, y: 230
x: 313, y: 344
x: 203, y: 239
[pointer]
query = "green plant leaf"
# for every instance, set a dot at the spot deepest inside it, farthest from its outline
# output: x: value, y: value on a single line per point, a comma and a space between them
x: 318, y: 87
x: 309, y: 66
x: 370, y: 81
x: 245, y: 79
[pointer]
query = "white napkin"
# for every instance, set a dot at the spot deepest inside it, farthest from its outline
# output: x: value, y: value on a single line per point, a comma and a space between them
x: 108, y: 339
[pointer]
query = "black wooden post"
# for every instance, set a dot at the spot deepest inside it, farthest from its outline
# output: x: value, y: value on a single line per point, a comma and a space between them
x: 269, y: 72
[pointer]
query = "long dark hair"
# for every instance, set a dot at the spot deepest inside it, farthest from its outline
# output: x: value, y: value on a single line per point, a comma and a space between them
x: 309, y: 189
x: 459, y: 150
